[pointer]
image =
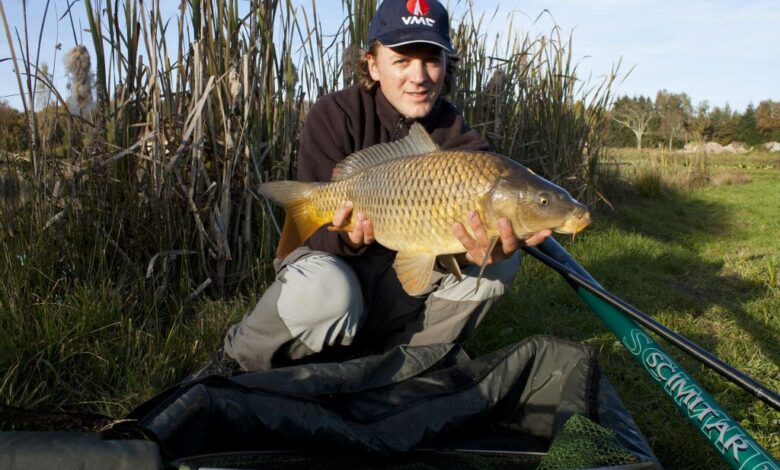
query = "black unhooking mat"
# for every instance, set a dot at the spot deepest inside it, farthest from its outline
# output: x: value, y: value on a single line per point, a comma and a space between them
x: 515, y: 399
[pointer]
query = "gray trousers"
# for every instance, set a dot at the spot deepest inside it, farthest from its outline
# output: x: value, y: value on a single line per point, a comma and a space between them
x: 317, y: 305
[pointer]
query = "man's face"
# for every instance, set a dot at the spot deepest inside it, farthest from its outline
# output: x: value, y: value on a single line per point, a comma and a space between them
x: 411, y: 77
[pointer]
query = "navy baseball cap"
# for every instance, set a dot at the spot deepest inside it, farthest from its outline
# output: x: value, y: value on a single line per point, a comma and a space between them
x: 400, y: 22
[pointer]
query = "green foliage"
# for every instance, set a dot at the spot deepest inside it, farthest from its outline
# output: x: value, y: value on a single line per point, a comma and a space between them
x: 619, y: 135
x: 675, y: 111
x: 768, y: 120
x: 747, y: 128
x: 723, y: 127
x: 13, y: 130
x: 677, y: 123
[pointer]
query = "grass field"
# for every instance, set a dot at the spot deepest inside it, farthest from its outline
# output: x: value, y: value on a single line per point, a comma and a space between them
x: 704, y: 262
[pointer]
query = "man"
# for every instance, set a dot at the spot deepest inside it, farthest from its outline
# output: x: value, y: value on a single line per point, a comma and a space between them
x: 338, y: 295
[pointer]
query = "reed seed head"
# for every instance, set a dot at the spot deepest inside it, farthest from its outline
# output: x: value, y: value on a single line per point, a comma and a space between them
x: 81, y: 81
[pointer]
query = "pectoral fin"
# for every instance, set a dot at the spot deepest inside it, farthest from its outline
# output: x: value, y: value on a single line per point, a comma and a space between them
x: 414, y: 271
x: 451, y: 264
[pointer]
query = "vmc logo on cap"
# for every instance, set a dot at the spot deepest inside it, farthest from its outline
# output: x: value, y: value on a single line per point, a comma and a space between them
x: 418, y: 8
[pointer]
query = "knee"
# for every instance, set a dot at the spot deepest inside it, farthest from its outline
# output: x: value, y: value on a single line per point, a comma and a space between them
x: 321, y: 302
x: 327, y: 283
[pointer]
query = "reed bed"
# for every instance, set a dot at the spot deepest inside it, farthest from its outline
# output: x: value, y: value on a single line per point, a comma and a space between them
x: 141, y: 211
x: 656, y: 174
x: 525, y: 95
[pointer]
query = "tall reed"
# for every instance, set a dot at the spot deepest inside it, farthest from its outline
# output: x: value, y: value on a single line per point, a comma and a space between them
x: 525, y: 96
x: 212, y: 115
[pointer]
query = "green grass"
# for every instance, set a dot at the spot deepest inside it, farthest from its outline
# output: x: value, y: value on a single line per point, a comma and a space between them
x: 706, y: 263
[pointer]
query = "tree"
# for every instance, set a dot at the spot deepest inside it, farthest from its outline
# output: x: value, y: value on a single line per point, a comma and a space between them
x: 674, y: 111
x: 747, y: 129
x: 13, y: 130
x: 701, y: 124
x: 634, y: 113
x: 768, y: 120
x: 724, y: 124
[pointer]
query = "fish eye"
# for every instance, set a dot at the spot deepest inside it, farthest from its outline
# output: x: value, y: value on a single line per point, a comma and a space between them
x: 544, y: 199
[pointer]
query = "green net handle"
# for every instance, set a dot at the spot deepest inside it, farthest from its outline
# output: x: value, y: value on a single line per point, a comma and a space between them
x: 729, y: 439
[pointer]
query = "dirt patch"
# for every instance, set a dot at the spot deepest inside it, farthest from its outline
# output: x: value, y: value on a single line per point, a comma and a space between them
x: 714, y: 147
x: 772, y: 146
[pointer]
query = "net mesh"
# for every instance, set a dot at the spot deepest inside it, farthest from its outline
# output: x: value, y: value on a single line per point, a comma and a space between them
x: 584, y: 444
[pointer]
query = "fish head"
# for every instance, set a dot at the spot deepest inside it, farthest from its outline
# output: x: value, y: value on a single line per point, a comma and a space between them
x: 533, y: 203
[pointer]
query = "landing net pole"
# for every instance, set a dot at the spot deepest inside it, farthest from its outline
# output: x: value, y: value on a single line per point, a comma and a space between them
x: 729, y: 439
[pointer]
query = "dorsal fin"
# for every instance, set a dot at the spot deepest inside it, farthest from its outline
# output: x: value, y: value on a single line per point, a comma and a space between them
x: 417, y: 142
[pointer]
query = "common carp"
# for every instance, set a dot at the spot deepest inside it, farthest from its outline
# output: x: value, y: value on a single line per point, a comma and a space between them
x: 413, y: 193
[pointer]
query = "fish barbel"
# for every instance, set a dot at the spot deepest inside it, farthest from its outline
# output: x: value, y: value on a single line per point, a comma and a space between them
x: 413, y: 193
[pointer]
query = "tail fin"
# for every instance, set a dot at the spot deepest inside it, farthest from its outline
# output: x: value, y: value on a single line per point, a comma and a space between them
x: 300, y: 222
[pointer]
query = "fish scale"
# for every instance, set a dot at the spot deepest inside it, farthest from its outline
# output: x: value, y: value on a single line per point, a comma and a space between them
x: 413, y: 193
x: 413, y: 202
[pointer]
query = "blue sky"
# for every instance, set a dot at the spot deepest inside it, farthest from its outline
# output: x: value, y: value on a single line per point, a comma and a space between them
x: 719, y: 51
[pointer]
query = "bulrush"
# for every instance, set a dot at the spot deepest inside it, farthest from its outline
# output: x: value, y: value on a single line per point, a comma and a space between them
x: 80, y: 79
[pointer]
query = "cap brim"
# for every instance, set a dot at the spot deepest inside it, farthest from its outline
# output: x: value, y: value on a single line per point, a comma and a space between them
x: 414, y: 36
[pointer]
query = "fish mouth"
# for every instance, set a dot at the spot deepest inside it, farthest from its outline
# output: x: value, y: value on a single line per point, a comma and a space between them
x: 575, y: 224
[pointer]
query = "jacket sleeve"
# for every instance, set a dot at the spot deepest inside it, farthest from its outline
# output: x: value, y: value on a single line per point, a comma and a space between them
x: 325, y: 141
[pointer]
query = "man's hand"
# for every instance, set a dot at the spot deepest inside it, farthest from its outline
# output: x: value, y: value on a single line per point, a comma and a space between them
x: 362, y: 232
x: 477, y: 246
x: 536, y: 238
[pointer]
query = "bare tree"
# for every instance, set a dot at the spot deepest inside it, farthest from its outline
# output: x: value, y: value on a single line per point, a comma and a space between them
x: 636, y: 114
